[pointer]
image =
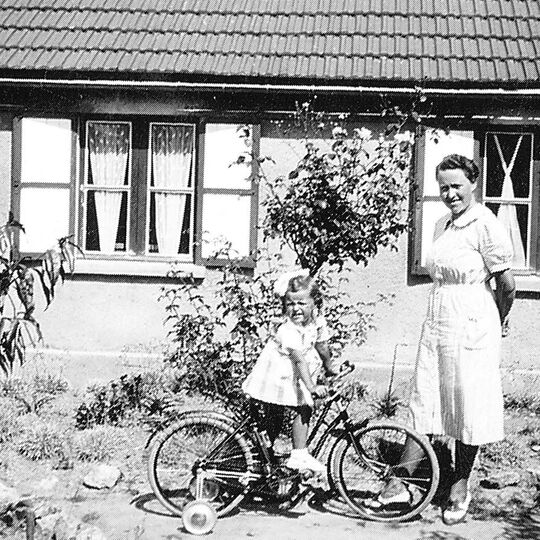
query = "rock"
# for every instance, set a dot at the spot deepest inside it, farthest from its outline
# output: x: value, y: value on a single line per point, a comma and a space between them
x: 9, y: 497
x: 501, y: 480
x: 102, y: 477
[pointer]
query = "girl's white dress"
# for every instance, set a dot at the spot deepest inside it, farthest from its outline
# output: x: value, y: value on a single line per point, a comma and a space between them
x: 457, y: 387
x: 274, y: 378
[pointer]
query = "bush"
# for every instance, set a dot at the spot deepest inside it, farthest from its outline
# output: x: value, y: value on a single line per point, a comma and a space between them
x: 147, y: 394
x: 43, y: 440
x: 97, y: 444
x: 9, y: 421
x: 35, y: 392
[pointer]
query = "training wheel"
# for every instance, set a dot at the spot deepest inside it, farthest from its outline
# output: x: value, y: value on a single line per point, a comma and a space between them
x: 198, y: 517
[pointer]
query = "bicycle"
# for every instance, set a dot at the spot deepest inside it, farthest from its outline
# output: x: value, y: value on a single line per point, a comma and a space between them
x: 221, y: 458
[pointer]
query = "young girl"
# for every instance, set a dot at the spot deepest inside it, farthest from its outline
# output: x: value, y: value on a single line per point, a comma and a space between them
x: 286, y: 371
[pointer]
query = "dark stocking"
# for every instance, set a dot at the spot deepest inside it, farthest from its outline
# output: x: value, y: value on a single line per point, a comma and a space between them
x: 465, y: 456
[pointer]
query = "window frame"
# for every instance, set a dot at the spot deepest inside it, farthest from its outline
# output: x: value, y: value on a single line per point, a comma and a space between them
x: 252, y: 191
x: 181, y: 257
x: 480, y: 133
x: 17, y: 184
x: 85, y: 188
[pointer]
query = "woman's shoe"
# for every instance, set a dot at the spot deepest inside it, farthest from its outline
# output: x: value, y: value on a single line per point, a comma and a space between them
x: 456, y: 511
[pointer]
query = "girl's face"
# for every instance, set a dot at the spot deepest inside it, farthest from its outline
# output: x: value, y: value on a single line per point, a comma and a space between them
x: 456, y: 190
x: 299, y: 307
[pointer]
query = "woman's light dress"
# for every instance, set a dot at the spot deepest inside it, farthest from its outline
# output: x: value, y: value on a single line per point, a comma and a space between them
x: 274, y: 378
x: 457, y: 387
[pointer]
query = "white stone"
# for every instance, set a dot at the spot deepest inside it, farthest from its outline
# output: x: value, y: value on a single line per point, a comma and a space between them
x: 102, y: 477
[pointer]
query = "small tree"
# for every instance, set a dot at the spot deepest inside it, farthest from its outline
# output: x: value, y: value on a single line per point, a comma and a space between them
x: 18, y: 327
x: 344, y: 202
x: 337, y: 204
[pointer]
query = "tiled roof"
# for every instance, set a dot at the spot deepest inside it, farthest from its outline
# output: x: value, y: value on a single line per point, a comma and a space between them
x: 436, y: 41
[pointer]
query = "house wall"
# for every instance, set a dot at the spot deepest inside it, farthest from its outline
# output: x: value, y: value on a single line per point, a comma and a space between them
x: 103, y: 318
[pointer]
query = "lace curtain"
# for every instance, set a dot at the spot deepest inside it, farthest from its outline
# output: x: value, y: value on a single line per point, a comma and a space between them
x: 172, y: 156
x: 108, y: 146
x: 507, y: 213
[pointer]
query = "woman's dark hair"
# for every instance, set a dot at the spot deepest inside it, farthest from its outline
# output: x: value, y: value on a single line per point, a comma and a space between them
x: 457, y: 161
x: 304, y: 283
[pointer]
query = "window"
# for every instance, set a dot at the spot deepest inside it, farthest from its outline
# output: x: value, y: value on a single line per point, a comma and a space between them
x: 150, y: 190
x: 508, y: 161
x: 43, y: 192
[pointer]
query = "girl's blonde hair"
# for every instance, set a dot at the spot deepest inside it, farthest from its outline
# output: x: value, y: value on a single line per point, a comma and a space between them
x: 303, y: 283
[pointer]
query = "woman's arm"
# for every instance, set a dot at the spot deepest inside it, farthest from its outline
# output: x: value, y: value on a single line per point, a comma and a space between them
x: 505, y: 292
x: 301, y: 367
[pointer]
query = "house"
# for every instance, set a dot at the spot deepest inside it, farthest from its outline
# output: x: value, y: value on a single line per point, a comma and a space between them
x: 118, y: 123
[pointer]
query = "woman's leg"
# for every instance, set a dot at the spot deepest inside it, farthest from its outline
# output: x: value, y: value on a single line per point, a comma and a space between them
x: 465, y: 457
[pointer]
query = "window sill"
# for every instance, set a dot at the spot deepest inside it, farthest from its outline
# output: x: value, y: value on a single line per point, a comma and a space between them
x: 144, y: 268
x: 527, y: 283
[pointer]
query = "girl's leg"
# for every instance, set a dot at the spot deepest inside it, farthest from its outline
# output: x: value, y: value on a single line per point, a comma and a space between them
x: 300, y: 426
x: 300, y: 458
x: 273, y: 420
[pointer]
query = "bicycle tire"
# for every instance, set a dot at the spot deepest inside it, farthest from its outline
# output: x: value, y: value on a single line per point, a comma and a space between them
x: 359, y: 478
x: 175, y: 452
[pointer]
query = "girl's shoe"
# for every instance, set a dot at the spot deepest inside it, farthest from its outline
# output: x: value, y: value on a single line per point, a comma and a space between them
x: 456, y: 511
x: 303, y: 460
x: 394, y: 492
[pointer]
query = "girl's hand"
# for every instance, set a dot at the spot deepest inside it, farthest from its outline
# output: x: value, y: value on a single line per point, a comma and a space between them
x: 331, y: 372
x: 319, y: 391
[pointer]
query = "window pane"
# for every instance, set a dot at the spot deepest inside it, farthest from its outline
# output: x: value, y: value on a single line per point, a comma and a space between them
x: 515, y: 218
x: 102, y: 233
x: 223, y: 145
x: 108, y: 153
x: 508, y: 155
x: 226, y: 219
x: 437, y: 146
x: 46, y: 150
x: 172, y: 153
x: 170, y: 226
x: 45, y: 216
x: 431, y: 212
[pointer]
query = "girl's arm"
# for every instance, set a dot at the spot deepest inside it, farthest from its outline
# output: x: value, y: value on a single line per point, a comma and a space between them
x: 326, y: 355
x: 505, y: 292
x: 300, y: 365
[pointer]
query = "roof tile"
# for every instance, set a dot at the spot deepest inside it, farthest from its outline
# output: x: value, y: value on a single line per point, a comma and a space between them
x: 442, y: 40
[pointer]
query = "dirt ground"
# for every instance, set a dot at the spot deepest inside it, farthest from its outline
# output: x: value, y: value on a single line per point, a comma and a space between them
x: 142, y: 518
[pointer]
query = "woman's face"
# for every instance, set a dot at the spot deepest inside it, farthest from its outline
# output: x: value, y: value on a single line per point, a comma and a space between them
x: 299, y: 307
x: 456, y: 190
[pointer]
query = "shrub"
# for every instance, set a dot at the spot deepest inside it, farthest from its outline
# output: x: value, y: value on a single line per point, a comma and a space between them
x: 149, y: 393
x: 336, y: 206
x: 43, y: 440
x: 35, y: 392
x: 9, y: 421
x: 96, y: 444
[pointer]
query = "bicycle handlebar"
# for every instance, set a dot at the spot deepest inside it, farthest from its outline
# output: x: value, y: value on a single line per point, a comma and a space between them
x: 336, y: 382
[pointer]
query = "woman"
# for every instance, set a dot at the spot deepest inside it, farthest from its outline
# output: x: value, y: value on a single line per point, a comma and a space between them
x: 457, y: 388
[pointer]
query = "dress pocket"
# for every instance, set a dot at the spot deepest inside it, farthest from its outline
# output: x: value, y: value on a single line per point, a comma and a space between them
x: 476, y: 333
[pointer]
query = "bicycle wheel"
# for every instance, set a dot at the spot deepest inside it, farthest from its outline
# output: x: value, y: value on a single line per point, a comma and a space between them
x: 199, y: 449
x: 363, y: 461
